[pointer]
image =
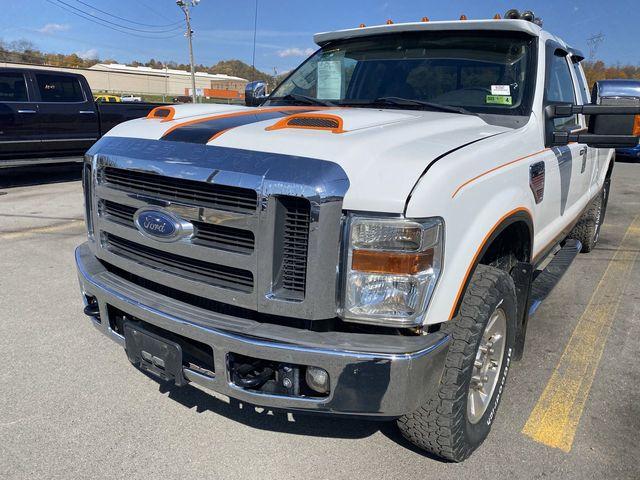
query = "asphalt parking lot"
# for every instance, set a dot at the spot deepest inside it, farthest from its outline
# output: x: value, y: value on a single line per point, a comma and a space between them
x: 71, y: 405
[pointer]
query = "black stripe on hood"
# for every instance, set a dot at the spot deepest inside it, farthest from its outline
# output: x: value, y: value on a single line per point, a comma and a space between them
x: 202, y: 131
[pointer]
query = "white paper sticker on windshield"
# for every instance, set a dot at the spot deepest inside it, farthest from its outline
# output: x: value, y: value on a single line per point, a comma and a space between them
x: 500, y: 90
x: 330, y: 80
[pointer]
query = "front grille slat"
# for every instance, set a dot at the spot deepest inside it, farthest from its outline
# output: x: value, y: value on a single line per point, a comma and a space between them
x: 206, y: 234
x: 192, y: 269
x: 221, y: 197
x: 294, y: 242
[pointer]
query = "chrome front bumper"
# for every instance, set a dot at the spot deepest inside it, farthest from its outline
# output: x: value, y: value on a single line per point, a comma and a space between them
x: 373, y: 375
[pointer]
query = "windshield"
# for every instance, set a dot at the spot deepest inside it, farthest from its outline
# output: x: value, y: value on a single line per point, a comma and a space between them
x: 481, y: 72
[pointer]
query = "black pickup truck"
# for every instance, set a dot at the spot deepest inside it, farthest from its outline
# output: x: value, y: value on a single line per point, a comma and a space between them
x: 50, y: 116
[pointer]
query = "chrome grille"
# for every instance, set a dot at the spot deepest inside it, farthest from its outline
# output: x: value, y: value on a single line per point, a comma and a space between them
x: 192, y: 269
x: 206, y: 234
x: 203, y: 194
x: 267, y: 226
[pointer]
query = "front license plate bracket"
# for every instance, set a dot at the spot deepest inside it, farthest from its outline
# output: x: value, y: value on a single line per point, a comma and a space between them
x: 154, y: 354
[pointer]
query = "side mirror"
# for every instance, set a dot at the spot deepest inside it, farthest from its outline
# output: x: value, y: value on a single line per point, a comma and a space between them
x: 255, y: 93
x: 613, y: 120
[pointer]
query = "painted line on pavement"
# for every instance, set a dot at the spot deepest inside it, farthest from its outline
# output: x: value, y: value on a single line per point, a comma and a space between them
x: 557, y: 414
x: 60, y: 227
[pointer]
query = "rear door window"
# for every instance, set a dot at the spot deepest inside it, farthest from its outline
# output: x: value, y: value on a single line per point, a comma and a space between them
x: 13, y: 88
x: 59, y: 88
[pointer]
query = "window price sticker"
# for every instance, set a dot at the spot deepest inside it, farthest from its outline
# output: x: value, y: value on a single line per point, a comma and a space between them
x: 330, y: 79
x: 500, y: 90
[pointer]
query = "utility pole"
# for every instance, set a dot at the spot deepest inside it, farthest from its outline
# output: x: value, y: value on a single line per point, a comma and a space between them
x: 594, y: 42
x: 255, y: 32
x: 185, y: 7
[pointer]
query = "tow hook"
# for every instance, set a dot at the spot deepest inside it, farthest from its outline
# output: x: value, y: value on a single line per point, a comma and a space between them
x: 252, y: 375
x: 92, y: 310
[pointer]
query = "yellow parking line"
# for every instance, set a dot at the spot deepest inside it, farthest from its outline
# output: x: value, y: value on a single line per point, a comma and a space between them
x: 60, y: 227
x: 556, y: 416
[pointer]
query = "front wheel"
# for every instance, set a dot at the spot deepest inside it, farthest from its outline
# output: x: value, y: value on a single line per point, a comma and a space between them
x: 458, y: 417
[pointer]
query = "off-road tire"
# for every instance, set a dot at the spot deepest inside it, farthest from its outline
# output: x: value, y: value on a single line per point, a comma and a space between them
x: 587, y: 230
x: 441, y: 426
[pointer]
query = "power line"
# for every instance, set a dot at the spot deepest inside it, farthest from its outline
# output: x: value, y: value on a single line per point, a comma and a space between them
x: 114, y: 23
x: 81, y: 15
x: 179, y: 22
x: 159, y: 13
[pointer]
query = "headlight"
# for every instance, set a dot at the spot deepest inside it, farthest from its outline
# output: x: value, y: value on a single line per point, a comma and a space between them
x: 391, y: 269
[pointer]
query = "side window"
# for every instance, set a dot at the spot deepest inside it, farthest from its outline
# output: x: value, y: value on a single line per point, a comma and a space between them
x: 59, y: 88
x: 582, y: 86
x: 559, y: 87
x: 13, y: 88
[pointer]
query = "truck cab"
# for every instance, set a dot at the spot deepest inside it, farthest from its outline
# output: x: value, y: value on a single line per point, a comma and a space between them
x: 368, y: 240
x: 50, y: 116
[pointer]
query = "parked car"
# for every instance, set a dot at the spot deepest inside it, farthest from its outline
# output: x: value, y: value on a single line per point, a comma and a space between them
x: 131, y: 98
x: 621, y: 92
x: 371, y: 239
x: 51, y: 116
x: 107, y: 98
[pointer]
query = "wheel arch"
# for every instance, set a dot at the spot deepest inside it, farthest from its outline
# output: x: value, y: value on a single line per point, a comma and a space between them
x: 512, y: 233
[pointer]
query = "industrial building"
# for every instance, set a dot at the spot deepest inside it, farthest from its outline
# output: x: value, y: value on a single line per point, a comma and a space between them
x: 123, y: 79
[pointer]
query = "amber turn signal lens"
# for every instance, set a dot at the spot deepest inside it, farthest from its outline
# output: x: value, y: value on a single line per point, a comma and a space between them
x: 636, y: 126
x: 373, y: 261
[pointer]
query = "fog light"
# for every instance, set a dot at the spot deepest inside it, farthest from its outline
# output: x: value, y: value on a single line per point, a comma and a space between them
x: 317, y: 379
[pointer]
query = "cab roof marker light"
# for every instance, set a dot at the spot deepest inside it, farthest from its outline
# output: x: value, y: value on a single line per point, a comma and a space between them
x: 463, y: 17
x: 362, y: 25
x: 389, y: 22
x: 497, y: 16
x: 425, y: 19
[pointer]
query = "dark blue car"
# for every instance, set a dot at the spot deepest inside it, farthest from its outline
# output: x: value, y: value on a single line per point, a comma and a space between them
x: 621, y: 92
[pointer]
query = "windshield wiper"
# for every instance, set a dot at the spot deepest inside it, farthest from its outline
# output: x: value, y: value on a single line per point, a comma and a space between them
x: 409, y: 102
x: 296, y: 97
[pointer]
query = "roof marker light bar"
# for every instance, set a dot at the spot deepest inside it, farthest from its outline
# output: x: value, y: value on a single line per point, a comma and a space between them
x: 527, y: 15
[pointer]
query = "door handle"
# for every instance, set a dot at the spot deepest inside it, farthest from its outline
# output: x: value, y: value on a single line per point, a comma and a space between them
x: 87, y: 112
x: 26, y: 111
x: 583, y: 151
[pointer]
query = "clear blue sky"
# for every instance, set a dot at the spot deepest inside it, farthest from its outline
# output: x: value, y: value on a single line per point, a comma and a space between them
x: 224, y: 28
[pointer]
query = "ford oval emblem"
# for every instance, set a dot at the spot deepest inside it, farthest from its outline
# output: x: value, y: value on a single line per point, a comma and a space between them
x: 161, y: 225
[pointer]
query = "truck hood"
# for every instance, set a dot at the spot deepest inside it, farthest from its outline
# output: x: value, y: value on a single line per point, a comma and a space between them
x: 384, y: 152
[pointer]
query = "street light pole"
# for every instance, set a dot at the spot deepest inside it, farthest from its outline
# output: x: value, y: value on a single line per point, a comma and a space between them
x: 185, y: 6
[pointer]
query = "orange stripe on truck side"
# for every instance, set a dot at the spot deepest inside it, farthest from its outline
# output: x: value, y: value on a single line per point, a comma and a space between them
x: 471, y: 267
x: 494, y: 169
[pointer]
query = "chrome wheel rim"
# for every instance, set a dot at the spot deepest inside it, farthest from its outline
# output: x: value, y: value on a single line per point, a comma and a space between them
x: 487, y: 366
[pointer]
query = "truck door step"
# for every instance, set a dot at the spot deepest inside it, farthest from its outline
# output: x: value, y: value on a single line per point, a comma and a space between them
x: 548, y: 278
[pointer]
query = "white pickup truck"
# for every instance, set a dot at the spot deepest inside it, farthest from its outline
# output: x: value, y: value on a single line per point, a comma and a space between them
x: 369, y: 239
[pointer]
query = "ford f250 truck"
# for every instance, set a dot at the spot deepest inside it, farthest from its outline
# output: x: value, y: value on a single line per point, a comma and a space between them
x: 370, y: 239
x: 49, y: 116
